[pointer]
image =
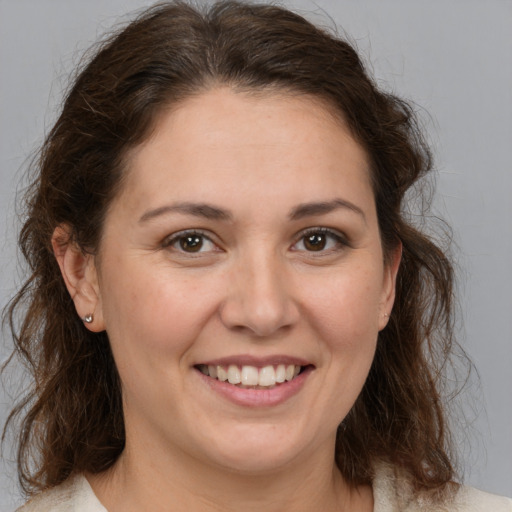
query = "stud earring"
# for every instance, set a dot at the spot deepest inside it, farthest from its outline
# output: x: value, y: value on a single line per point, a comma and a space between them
x: 385, y: 315
x: 87, y: 319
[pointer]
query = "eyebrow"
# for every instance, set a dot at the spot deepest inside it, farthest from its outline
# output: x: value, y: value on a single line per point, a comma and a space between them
x: 207, y: 211
x: 204, y: 210
x: 322, y: 208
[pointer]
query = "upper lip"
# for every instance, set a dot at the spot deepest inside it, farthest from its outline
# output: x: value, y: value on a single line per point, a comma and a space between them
x: 259, y: 362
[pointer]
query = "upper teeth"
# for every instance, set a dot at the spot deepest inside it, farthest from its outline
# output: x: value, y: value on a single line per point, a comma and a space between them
x: 252, y: 375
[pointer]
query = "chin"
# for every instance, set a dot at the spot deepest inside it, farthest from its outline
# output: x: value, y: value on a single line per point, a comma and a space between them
x: 257, y: 450
x: 257, y: 462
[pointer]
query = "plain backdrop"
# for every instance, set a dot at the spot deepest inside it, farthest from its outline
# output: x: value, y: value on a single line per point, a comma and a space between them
x: 452, y: 57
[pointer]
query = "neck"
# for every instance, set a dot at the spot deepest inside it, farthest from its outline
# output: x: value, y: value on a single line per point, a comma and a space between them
x: 148, y: 480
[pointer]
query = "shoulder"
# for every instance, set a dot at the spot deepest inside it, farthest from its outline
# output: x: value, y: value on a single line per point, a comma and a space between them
x: 393, y: 493
x: 73, y: 495
x: 470, y: 499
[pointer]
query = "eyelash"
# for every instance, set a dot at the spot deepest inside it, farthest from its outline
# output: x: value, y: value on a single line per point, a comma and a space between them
x: 338, y: 238
x: 181, y: 235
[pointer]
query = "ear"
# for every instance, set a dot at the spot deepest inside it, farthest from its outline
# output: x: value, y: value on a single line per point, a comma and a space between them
x: 80, y: 276
x: 389, y: 285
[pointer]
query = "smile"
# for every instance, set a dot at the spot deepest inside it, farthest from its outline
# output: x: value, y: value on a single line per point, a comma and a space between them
x: 252, y: 377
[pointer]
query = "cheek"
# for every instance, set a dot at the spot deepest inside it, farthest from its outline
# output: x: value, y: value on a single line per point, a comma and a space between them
x: 346, y: 306
x: 153, y: 313
x: 344, y: 320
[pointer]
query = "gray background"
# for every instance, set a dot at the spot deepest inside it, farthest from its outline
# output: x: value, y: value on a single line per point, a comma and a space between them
x: 453, y: 57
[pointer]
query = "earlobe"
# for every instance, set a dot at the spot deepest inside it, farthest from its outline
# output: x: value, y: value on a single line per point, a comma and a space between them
x: 80, y: 276
x: 389, y: 288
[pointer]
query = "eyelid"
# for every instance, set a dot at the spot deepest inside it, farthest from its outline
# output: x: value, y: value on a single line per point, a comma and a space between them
x: 323, y: 230
x: 174, y: 237
x: 171, y: 239
x: 339, y: 236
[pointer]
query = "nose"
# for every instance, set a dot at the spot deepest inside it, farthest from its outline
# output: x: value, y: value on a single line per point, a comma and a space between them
x: 259, y: 299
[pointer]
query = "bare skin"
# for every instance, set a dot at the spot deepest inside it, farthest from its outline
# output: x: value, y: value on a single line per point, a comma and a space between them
x: 228, y: 492
x: 245, y: 234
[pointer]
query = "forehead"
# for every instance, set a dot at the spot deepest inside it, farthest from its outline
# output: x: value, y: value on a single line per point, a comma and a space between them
x: 277, y: 144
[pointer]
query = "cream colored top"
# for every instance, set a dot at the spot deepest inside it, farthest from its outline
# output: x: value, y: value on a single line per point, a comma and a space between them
x: 390, y: 490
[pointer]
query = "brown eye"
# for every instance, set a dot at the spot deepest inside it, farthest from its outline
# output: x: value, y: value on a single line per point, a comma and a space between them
x: 321, y: 240
x: 191, y: 243
x: 315, y: 242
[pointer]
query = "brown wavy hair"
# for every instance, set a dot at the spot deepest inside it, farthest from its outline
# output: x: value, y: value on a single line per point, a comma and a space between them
x: 72, y: 418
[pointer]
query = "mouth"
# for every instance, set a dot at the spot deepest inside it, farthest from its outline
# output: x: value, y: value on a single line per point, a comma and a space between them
x: 253, y: 377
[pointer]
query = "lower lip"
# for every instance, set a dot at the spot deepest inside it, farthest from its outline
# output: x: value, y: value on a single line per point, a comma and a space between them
x: 257, y: 397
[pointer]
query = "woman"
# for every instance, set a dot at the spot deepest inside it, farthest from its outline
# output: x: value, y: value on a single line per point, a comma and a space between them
x: 228, y: 309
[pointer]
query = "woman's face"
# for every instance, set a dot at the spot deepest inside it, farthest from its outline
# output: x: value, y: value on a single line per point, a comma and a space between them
x: 244, y: 245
